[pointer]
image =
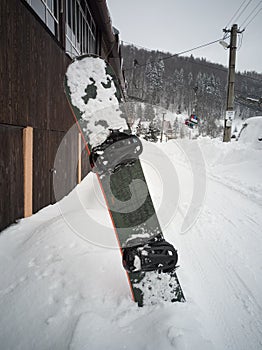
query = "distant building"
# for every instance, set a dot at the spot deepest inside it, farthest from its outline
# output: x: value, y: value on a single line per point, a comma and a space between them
x: 38, y: 40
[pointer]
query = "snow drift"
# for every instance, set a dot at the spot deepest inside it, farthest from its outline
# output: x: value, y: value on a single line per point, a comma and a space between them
x: 61, y: 290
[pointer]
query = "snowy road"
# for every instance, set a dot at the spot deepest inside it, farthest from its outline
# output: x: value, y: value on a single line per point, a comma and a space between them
x: 228, y: 288
x: 223, y: 253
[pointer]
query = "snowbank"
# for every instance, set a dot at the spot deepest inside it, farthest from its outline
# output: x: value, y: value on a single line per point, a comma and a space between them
x: 251, y: 132
x: 65, y: 290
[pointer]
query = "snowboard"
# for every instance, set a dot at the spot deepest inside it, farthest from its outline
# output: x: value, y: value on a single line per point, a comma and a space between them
x: 95, y: 98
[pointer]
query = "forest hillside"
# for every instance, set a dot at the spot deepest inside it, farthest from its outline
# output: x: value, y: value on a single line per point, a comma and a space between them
x: 186, y: 85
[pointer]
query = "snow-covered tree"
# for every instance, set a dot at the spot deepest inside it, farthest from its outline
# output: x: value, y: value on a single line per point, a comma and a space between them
x: 175, y: 128
x: 152, y: 133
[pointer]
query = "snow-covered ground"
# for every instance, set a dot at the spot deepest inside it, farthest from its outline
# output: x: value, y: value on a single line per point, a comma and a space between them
x: 62, y: 285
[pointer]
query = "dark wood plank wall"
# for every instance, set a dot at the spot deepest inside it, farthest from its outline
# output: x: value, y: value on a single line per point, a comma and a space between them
x: 41, y: 176
x: 32, y: 67
x: 55, y: 156
x: 11, y: 175
x: 64, y: 160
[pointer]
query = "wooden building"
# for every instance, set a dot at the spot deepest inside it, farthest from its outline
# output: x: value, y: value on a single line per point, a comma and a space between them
x: 38, y: 40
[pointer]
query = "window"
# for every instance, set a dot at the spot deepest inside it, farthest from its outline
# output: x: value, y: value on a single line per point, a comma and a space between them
x: 47, y: 10
x: 80, y: 28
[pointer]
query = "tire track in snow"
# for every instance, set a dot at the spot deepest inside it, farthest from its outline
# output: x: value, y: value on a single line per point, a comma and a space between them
x: 243, y: 299
x: 234, y: 307
x: 214, y: 309
x: 248, y: 193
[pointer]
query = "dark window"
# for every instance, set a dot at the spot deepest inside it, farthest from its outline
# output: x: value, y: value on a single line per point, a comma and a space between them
x: 39, y: 8
x: 48, y: 11
x: 73, y: 16
x: 80, y: 28
x: 69, y: 12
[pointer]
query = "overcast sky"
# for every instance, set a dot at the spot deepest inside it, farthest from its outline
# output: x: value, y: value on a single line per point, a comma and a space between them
x: 177, y: 25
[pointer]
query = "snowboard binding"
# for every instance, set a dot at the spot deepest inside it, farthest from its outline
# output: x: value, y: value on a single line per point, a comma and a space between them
x: 154, y: 256
x: 119, y: 149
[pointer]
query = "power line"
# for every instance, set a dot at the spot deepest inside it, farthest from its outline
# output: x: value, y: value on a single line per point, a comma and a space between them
x: 177, y: 54
x: 243, y: 10
x: 195, y: 48
x: 252, y: 19
x: 206, y: 64
x: 254, y: 9
x: 231, y: 19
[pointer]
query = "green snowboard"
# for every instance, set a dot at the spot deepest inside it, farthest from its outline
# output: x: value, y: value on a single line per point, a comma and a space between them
x: 94, y: 95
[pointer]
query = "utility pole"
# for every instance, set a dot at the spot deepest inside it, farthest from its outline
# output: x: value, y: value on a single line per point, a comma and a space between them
x: 162, y: 128
x: 231, y: 82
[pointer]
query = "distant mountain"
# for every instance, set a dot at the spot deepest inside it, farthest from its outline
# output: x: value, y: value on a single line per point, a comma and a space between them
x: 179, y: 84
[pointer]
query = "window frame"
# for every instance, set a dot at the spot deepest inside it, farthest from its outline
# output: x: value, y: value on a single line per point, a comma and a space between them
x: 81, y: 29
x: 54, y: 13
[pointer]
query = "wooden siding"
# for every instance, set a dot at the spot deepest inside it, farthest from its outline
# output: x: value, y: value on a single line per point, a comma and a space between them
x: 46, y: 149
x: 11, y: 175
x: 32, y: 67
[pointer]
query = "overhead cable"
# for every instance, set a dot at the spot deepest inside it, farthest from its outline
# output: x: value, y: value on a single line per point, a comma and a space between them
x: 177, y: 54
x: 232, y: 18
x: 206, y: 64
x: 252, y: 19
x: 251, y: 13
x: 239, y: 15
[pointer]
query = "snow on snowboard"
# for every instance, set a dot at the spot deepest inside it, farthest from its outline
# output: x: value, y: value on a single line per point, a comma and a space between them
x: 94, y: 95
